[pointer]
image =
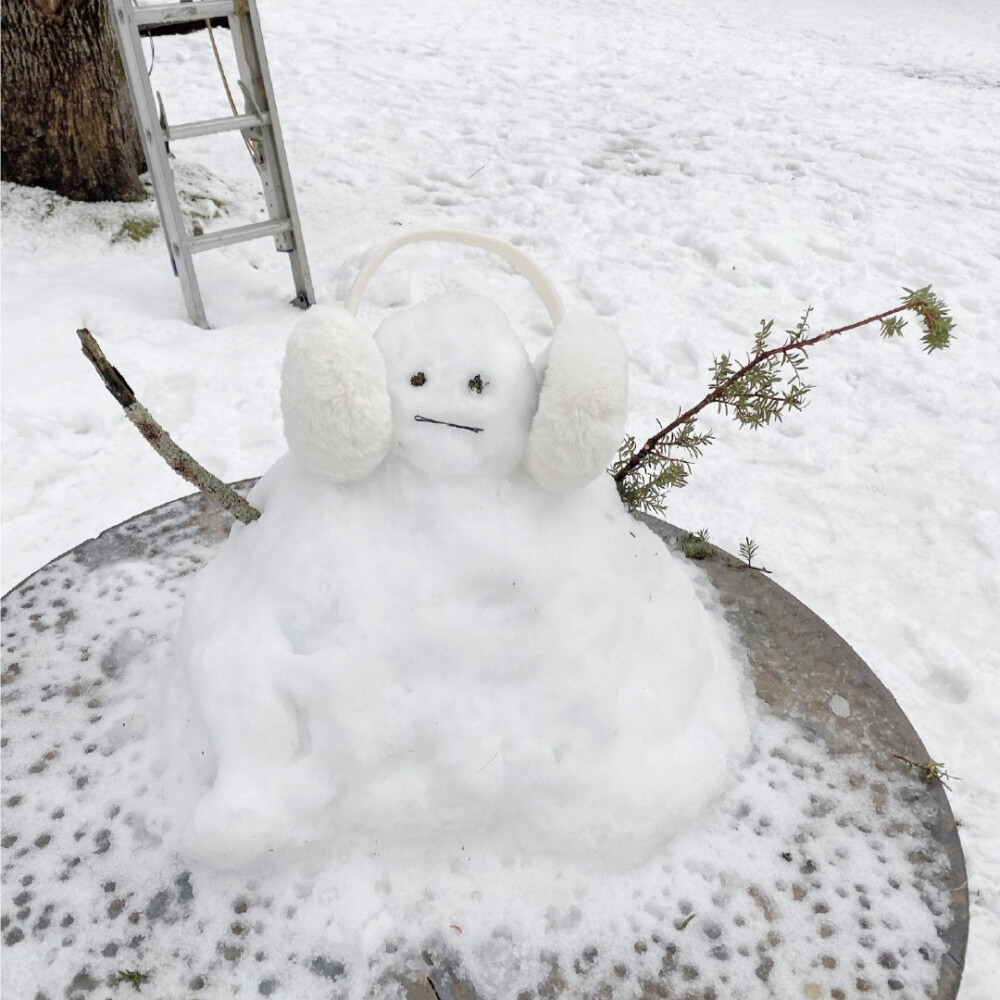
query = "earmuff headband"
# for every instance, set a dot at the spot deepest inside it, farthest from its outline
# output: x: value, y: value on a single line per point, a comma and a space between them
x: 335, y: 400
x: 524, y: 264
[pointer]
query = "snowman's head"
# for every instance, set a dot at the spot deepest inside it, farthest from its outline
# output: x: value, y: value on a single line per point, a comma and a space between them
x: 462, y: 387
x: 448, y: 388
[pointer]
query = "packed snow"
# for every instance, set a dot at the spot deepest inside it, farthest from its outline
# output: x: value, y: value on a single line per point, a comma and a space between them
x: 800, y: 878
x: 680, y: 170
x: 404, y: 666
x: 401, y: 663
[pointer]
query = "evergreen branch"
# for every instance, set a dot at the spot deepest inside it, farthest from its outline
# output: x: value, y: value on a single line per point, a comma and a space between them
x: 696, y: 545
x: 748, y: 549
x: 934, y: 315
x: 645, y: 488
x: 933, y: 770
x: 179, y: 460
x: 133, y: 977
x: 755, y: 395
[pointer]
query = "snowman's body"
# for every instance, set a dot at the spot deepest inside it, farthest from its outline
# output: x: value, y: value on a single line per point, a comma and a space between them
x: 440, y: 655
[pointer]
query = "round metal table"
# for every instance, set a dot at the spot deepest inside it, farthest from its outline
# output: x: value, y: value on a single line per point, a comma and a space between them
x: 91, y: 897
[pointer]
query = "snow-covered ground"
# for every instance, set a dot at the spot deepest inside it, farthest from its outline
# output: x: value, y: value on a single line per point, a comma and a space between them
x: 682, y: 169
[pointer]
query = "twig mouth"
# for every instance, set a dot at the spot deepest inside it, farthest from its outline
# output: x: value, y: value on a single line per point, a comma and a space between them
x: 447, y: 423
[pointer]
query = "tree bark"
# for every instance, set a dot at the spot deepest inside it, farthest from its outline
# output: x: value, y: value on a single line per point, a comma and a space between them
x: 67, y: 115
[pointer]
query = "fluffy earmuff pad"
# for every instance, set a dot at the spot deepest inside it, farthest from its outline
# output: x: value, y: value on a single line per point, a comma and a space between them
x: 334, y: 396
x: 582, y: 407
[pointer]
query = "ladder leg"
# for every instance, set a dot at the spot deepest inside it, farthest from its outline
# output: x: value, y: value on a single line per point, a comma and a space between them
x: 270, y: 153
x: 180, y: 257
x: 154, y: 146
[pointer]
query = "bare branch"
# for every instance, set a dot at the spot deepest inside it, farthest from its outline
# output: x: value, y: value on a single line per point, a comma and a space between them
x: 179, y: 460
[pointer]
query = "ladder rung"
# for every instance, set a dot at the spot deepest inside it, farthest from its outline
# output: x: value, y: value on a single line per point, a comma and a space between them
x: 210, y: 126
x: 180, y: 13
x: 223, y: 238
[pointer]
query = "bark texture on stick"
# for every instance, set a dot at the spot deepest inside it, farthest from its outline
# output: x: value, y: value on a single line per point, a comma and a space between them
x: 67, y: 115
x: 179, y: 460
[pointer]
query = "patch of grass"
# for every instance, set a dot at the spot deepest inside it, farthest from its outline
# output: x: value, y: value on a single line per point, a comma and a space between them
x: 136, y: 229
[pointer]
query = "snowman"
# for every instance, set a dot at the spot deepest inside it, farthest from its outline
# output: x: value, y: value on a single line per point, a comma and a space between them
x: 444, y: 634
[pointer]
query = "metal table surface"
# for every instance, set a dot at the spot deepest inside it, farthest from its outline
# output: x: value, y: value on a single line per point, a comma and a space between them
x: 87, y: 891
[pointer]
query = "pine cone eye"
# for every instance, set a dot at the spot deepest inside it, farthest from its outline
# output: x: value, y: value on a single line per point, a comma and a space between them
x: 418, y: 379
x: 476, y: 384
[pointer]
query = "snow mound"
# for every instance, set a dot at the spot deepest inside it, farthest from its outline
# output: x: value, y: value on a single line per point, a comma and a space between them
x: 415, y: 668
x: 443, y: 657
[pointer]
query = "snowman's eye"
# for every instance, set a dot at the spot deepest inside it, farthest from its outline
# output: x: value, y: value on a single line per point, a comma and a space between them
x: 418, y: 379
x: 477, y: 384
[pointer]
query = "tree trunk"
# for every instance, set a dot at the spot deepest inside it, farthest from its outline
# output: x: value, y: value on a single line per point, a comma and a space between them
x: 67, y: 116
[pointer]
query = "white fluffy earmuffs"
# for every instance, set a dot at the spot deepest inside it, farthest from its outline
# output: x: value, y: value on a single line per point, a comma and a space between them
x: 335, y: 400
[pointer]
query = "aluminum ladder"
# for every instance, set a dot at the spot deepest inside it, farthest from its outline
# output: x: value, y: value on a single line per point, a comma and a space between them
x: 259, y: 125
